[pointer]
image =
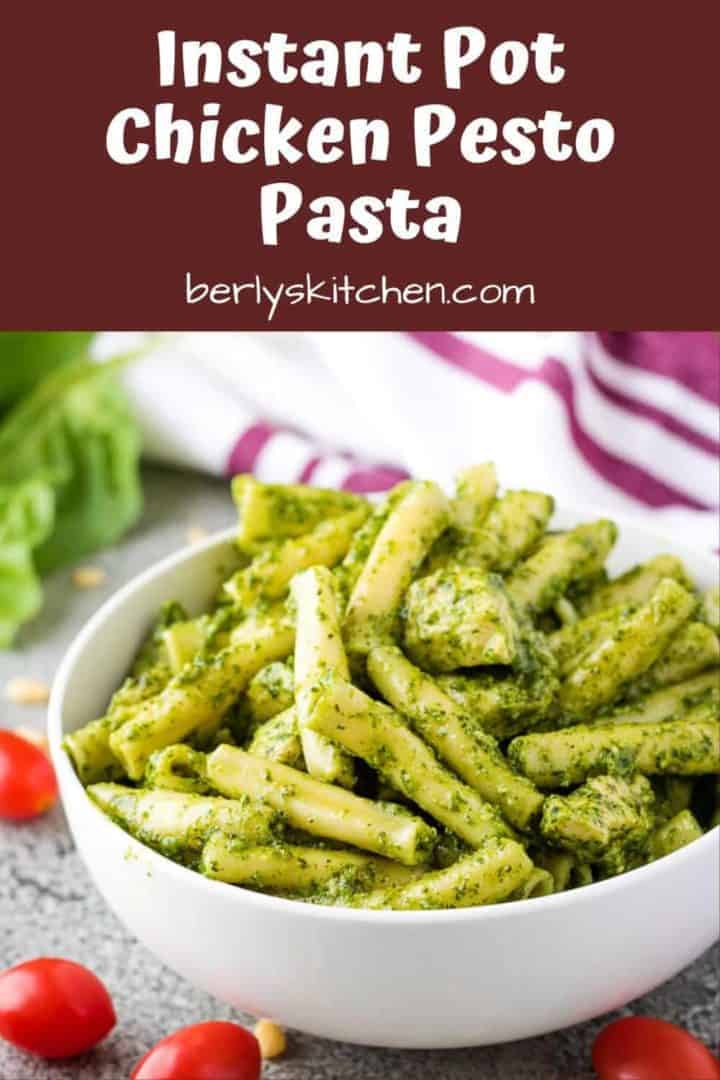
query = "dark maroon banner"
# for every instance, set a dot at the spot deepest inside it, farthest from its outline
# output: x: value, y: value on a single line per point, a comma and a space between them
x: 625, y: 242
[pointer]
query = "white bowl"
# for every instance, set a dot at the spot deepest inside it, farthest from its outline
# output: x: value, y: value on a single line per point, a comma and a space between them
x: 418, y: 979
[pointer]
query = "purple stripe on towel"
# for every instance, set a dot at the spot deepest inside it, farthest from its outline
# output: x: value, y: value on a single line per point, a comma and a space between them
x: 360, y: 478
x: 246, y: 450
x: 308, y: 469
x: 635, y: 481
x: 658, y: 416
x: 374, y: 478
x: 691, y: 358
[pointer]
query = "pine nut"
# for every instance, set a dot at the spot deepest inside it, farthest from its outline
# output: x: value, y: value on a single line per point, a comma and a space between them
x: 196, y: 534
x: 88, y: 577
x: 22, y: 691
x: 271, y: 1038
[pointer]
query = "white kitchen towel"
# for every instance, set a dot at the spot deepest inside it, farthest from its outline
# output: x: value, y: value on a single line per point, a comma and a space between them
x: 618, y: 422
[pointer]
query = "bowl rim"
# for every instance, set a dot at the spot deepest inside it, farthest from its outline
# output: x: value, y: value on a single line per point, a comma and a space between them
x: 69, y: 782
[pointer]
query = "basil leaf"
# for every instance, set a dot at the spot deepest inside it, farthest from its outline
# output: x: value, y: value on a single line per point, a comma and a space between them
x: 75, y: 438
x: 27, y: 513
x: 26, y: 358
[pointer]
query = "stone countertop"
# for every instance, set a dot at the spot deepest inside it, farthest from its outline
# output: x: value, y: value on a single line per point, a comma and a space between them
x: 49, y: 907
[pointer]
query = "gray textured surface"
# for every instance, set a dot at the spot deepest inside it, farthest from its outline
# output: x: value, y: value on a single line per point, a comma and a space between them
x: 49, y: 907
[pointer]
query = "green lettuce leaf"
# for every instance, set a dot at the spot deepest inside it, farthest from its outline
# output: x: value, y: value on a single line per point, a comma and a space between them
x: 74, y: 438
x: 27, y: 512
x: 26, y: 358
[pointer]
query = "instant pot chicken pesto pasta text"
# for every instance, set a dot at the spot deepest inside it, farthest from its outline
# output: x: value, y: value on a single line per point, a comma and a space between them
x: 426, y: 702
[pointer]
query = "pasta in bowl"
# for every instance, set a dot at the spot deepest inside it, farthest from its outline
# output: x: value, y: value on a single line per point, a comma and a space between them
x: 388, y: 712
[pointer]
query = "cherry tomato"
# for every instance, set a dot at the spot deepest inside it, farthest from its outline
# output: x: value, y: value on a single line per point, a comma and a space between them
x: 216, y: 1050
x: 641, y: 1048
x: 27, y: 782
x: 54, y: 1008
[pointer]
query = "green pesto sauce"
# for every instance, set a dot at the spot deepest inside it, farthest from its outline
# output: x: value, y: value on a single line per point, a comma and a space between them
x: 455, y: 616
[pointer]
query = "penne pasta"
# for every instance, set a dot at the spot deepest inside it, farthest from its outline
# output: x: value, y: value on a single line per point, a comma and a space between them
x: 628, y: 651
x: 299, y: 871
x: 487, y: 876
x: 475, y: 491
x: 408, y: 533
x: 636, y: 586
x: 572, y: 641
x: 378, y: 735
x: 319, y: 652
x: 694, y: 649
x: 89, y: 747
x: 274, y: 511
x: 179, y: 823
x: 670, y: 703
x: 561, y: 759
x: 417, y: 702
x: 177, y: 768
x: 472, y: 754
x: 511, y: 527
x: 321, y: 809
x: 543, y: 577
x: 269, y: 574
x: 200, y: 694
x: 682, y: 829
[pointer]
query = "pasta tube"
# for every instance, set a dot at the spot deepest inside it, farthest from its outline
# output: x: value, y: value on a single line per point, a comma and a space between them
x: 177, y: 768
x: 711, y: 608
x: 377, y: 734
x: 300, y: 871
x: 278, y: 739
x: 472, y: 754
x: 184, y: 640
x: 175, y: 822
x: 670, y: 703
x: 274, y: 511
x: 672, y: 794
x: 559, y: 759
x: 564, y: 868
x: 487, y: 876
x: 270, y: 692
x: 459, y: 618
x: 475, y: 490
x: 583, y: 874
x: 604, y: 812
x: 329, y: 588
x: 694, y: 648
x: 561, y: 559
x: 319, y: 651
x: 512, y: 526
x: 412, y: 526
x: 539, y: 883
x: 674, y: 834
x: 475, y: 495
x: 569, y: 644
x: 322, y: 809
x: 348, y: 571
x: 565, y: 611
x: 200, y: 694
x: 637, y: 585
x: 89, y: 747
x: 627, y: 653
x: 151, y: 661
x: 269, y: 574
